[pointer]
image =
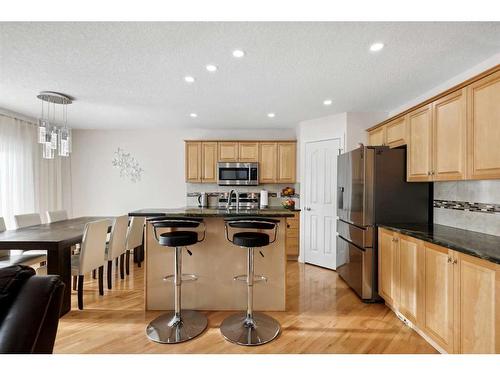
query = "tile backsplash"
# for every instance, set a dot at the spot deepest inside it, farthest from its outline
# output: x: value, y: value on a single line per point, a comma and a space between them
x: 214, y: 188
x: 471, y: 205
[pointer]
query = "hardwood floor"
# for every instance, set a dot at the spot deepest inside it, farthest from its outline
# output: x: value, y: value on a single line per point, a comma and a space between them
x: 323, y: 316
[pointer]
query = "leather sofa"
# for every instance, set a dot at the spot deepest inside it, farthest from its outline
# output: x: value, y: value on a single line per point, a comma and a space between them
x: 29, y: 310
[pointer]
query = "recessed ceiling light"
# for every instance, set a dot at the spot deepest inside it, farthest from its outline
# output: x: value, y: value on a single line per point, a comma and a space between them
x: 327, y: 102
x: 211, y: 68
x: 271, y: 115
x: 238, y: 53
x: 375, y: 47
x: 193, y: 115
x: 189, y: 79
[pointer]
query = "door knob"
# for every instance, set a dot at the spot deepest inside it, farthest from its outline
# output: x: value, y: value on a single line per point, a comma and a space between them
x: 308, y: 208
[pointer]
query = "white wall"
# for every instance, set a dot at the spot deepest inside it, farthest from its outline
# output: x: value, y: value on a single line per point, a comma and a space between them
x: 98, y: 188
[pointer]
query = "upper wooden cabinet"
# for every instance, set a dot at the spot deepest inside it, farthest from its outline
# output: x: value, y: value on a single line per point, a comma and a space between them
x: 268, y: 162
x: 228, y: 151
x: 419, y: 158
x: 193, y: 161
x: 377, y: 137
x: 209, y: 162
x: 286, y: 162
x: 449, y: 134
x: 248, y: 152
x: 453, y: 136
x: 483, y: 98
x: 277, y: 160
x: 396, y: 132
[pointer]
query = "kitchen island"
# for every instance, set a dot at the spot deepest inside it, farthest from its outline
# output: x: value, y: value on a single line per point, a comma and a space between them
x: 215, y: 261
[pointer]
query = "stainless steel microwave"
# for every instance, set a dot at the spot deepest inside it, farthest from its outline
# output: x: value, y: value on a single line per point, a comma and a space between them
x: 237, y: 173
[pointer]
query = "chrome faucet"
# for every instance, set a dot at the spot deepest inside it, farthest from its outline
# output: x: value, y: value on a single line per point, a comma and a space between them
x: 230, y: 195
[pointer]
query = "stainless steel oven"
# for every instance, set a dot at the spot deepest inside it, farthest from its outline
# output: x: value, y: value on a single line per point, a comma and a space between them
x: 237, y: 173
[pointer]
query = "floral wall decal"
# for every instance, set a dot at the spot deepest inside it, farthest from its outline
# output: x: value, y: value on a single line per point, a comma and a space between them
x: 129, y: 167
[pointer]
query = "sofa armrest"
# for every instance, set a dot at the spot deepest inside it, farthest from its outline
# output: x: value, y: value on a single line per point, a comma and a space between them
x: 30, y: 325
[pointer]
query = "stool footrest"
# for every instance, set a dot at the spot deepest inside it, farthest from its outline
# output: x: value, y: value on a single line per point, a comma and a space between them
x: 256, y: 279
x: 186, y: 277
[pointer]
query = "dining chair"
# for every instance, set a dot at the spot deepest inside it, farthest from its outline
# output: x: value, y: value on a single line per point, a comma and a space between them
x: 134, y: 238
x: 17, y: 257
x: 28, y: 220
x: 116, y: 246
x: 4, y: 254
x: 91, y: 255
x: 54, y: 216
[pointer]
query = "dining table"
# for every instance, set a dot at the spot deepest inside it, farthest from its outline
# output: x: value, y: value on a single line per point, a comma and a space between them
x: 57, y: 239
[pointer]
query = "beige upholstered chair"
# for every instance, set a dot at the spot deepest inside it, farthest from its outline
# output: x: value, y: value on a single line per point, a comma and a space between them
x: 54, y: 216
x: 28, y: 220
x: 134, y: 238
x: 116, y: 246
x: 91, y: 255
x: 15, y: 257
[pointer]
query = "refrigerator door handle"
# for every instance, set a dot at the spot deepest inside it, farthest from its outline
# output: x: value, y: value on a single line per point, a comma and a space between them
x: 340, y: 198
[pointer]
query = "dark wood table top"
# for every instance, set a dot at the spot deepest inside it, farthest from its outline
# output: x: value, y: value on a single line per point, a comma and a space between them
x: 62, y: 232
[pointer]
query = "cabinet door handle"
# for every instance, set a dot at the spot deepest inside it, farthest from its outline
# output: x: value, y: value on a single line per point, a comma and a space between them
x: 455, y: 261
x: 450, y: 260
x: 428, y: 173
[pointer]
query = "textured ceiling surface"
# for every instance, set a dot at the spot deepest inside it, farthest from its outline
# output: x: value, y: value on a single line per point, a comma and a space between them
x: 130, y: 75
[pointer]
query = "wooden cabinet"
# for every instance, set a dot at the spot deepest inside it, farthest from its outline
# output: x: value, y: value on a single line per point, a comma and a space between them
x: 277, y: 160
x: 395, y: 132
x: 388, y: 265
x: 292, y: 235
x: 478, y: 305
x: 248, y: 152
x: 377, y: 137
x: 268, y: 162
x: 451, y: 297
x: 209, y: 162
x: 286, y: 165
x: 228, y: 151
x: 419, y: 157
x: 411, y: 268
x: 483, y: 98
x: 438, y: 292
x: 449, y: 137
x: 193, y: 161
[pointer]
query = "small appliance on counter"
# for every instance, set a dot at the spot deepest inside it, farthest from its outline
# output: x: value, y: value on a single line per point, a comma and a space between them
x: 249, y: 201
x: 203, y: 200
x: 264, y: 199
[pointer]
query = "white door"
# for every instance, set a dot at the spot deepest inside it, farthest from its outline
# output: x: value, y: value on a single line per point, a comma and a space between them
x: 320, y: 209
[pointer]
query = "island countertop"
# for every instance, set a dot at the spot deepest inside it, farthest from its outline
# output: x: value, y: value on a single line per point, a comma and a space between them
x: 213, y: 212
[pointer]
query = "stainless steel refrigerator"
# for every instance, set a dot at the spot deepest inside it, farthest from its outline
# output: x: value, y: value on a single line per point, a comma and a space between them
x: 372, y: 190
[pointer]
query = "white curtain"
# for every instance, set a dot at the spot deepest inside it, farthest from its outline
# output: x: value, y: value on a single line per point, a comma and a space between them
x: 29, y: 183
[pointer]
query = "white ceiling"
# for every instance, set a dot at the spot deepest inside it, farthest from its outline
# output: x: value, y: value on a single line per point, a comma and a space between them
x: 130, y: 75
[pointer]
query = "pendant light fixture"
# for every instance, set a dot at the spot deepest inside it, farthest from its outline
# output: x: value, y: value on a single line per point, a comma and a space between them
x: 53, y: 133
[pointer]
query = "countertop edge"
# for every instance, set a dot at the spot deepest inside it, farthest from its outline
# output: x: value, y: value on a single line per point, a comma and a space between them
x: 444, y: 243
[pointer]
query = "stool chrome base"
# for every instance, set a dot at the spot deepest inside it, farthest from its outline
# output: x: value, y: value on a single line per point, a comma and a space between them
x: 167, y: 329
x: 237, y: 329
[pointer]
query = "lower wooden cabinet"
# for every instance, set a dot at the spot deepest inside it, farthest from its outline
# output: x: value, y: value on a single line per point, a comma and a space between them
x: 292, y: 235
x: 451, y: 297
x: 438, y: 292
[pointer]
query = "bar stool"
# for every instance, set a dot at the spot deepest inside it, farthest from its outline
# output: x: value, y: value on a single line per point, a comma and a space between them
x: 178, y: 325
x: 250, y: 328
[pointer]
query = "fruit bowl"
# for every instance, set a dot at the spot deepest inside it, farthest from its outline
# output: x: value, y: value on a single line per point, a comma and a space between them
x: 287, y: 192
x: 288, y: 203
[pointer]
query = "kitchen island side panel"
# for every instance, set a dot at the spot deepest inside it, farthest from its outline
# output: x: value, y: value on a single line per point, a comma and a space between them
x: 216, y: 261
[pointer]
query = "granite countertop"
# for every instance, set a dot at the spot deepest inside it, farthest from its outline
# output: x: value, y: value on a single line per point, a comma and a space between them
x: 212, y: 212
x: 480, y: 245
